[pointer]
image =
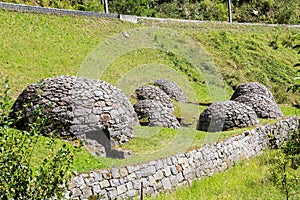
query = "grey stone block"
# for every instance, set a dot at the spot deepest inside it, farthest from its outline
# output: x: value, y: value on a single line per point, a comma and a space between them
x: 121, y: 189
x: 166, y: 184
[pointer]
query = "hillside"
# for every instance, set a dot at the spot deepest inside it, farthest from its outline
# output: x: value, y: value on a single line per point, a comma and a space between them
x: 207, y: 59
x: 40, y: 46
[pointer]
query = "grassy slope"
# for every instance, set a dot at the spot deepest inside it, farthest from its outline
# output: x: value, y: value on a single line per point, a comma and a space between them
x: 39, y: 46
x: 247, y: 53
x: 247, y: 180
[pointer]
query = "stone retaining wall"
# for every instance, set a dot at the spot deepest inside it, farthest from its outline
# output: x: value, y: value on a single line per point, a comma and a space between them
x: 178, y: 170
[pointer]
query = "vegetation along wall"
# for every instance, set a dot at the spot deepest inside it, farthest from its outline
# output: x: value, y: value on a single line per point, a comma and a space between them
x: 180, y: 169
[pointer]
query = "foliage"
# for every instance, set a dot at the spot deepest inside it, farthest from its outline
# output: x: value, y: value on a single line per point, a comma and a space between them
x: 247, y: 56
x: 61, y: 43
x: 132, y: 7
x: 296, y: 86
x: 284, y: 169
x: 85, y: 5
x: 268, y: 11
x: 18, y: 179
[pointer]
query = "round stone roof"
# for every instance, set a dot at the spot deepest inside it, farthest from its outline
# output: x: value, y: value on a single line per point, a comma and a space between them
x: 252, y: 87
x: 154, y: 113
x: 153, y: 93
x: 225, y: 115
x: 156, y: 107
x: 78, y: 106
x: 261, y: 104
x: 171, y: 89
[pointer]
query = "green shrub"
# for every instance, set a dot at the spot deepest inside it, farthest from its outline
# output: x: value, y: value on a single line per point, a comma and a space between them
x: 85, y: 5
x: 284, y: 169
x: 18, y: 178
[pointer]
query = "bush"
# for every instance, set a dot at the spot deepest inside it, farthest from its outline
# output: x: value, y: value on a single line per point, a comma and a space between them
x: 284, y: 169
x: 85, y: 5
x: 18, y: 178
x: 268, y: 11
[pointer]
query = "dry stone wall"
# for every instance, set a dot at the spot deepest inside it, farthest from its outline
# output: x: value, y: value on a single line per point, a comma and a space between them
x: 180, y: 169
x: 54, y: 11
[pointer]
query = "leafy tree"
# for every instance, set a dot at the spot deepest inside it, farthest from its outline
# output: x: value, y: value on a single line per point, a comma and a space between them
x: 19, y: 179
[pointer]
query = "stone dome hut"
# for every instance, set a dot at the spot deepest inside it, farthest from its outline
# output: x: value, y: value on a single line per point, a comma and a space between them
x: 171, y: 89
x: 155, y: 113
x: 153, y: 93
x: 78, y: 107
x: 156, y: 107
x: 225, y: 115
x: 263, y: 106
x: 259, y: 98
x: 252, y: 87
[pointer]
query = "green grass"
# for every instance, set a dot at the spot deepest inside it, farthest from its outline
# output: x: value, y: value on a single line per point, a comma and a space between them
x: 36, y: 46
x: 248, y: 179
x: 151, y: 143
x: 288, y: 110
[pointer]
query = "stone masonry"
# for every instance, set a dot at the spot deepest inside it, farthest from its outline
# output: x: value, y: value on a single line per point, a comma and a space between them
x: 171, y: 89
x: 77, y: 107
x: 252, y: 87
x: 178, y: 170
x: 259, y: 98
x: 263, y: 106
x: 155, y: 107
x: 225, y: 115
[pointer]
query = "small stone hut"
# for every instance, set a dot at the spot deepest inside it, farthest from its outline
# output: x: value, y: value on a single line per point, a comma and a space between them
x: 252, y: 87
x: 259, y: 98
x: 155, y: 108
x: 224, y: 115
x: 171, y: 89
x: 78, y: 107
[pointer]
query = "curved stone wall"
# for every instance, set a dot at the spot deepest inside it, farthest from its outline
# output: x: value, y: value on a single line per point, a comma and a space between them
x: 171, y: 89
x: 78, y: 107
x: 154, y: 93
x: 181, y: 169
x: 226, y: 115
x: 259, y: 98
